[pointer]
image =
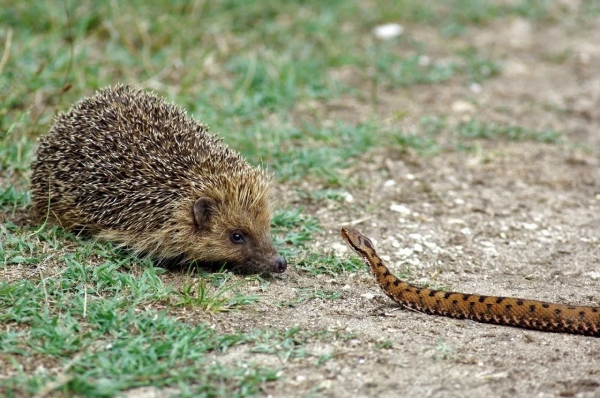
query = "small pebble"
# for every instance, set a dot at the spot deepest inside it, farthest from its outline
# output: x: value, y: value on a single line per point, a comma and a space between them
x: 400, y: 209
x: 388, y: 31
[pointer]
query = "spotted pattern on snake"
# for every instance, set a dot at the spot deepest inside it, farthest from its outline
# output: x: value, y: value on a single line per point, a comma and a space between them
x: 509, y: 311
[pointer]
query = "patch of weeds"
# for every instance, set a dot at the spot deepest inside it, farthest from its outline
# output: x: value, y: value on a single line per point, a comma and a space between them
x: 383, y: 345
x: 432, y: 125
x: 292, y: 230
x: 11, y: 199
x: 218, y: 296
x: 423, y: 145
x: 453, y: 29
x: 19, y: 246
x: 290, y: 344
x: 320, y: 152
x: 323, y: 358
x: 330, y: 264
x: 292, y: 218
x: 415, y: 69
x: 16, y: 146
x: 442, y: 351
x: 336, y: 335
x: 476, y: 67
x: 268, y: 82
x: 328, y: 197
x: 287, y: 345
x: 533, y: 9
x: 475, y: 129
x: 328, y: 194
x: 425, y: 142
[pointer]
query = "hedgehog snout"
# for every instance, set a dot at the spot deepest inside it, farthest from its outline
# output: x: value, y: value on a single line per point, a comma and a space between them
x: 279, y: 265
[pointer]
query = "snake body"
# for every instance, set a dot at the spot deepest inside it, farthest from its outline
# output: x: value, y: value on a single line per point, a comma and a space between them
x: 523, y: 313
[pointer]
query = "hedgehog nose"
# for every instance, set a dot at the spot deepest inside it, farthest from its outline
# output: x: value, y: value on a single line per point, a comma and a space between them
x: 280, y: 264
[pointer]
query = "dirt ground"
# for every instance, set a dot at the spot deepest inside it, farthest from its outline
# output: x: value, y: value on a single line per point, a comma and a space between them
x: 510, y: 219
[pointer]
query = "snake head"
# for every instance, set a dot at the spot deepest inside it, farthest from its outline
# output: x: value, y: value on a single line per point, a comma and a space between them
x: 356, y: 240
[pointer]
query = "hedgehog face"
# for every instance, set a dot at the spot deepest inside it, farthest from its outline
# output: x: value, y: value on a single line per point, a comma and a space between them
x: 241, y: 237
x: 257, y: 252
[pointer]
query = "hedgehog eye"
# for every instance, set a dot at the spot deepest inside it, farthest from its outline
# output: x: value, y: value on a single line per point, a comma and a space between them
x: 236, y: 237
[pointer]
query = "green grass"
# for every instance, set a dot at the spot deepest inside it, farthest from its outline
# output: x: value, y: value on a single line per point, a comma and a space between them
x: 86, y: 319
x: 462, y: 134
x: 11, y: 199
x: 318, y: 263
x: 293, y: 230
x: 489, y: 130
x: 240, y: 67
x: 95, y: 321
x: 215, y: 296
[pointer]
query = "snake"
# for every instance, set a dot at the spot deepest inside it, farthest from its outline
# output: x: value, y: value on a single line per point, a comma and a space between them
x: 507, y: 311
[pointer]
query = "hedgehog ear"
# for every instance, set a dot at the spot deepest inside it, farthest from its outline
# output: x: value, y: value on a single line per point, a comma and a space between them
x: 203, y: 209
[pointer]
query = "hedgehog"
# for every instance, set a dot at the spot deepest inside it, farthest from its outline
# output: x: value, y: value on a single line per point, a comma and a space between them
x: 127, y: 167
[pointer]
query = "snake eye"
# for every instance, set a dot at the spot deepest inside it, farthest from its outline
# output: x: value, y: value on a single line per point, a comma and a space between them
x: 236, y: 237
